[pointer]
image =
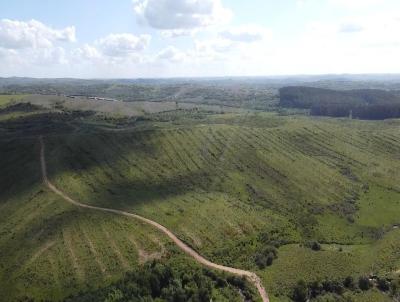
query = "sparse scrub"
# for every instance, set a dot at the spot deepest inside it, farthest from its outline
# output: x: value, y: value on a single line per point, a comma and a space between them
x: 240, y: 188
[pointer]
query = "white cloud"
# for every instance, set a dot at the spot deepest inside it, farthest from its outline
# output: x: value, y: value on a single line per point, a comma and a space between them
x: 356, y: 31
x: 33, y: 48
x: 181, y: 16
x: 113, y: 52
x: 246, y: 34
x: 350, y: 27
x: 175, y: 33
x: 86, y: 52
x: 32, y: 34
x: 356, y: 4
x: 121, y: 45
x: 213, y: 49
x: 172, y: 54
x: 48, y: 56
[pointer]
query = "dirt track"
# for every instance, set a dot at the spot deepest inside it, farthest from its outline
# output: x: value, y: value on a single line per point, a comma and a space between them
x: 252, y: 277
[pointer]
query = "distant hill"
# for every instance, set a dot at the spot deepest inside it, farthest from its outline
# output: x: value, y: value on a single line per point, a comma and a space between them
x: 360, y: 103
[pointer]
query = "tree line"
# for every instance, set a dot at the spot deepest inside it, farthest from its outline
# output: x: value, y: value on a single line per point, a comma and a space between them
x: 158, y: 281
x: 371, y: 104
x: 311, y: 291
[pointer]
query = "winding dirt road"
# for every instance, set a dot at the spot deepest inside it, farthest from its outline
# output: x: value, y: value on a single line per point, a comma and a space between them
x: 252, y: 277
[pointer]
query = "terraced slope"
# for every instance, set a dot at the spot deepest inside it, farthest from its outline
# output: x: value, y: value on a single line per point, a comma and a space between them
x: 227, y: 185
x: 334, y: 181
x: 184, y: 247
x: 50, y: 249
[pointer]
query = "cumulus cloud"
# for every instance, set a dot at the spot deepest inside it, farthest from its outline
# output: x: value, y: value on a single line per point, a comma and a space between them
x: 86, y: 52
x: 49, y: 56
x: 246, y: 34
x: 181, y: 16
x: 350, y: 28
x: 121, y: 45
x: 172, y: 54
x: 32, y: 34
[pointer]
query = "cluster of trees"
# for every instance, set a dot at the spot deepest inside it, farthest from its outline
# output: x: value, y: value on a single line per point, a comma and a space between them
x: 42, y: 122
x: 266, y: 256
x: 363, y: 104
x: 366, y: 112
x: 305, y: 291
x: 159, y: 281
x: 20, y: 107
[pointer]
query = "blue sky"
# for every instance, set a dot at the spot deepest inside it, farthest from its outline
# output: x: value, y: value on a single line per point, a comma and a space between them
x: 169, y: 38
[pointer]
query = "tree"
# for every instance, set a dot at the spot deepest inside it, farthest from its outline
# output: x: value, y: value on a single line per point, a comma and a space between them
x: 300, y: 292
x: 266, y: 257
x: 364, y: 283
x: 315, y: 246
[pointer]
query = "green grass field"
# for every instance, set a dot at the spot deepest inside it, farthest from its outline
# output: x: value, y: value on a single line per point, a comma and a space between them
x: 227, y: 184
x: 7, y: 99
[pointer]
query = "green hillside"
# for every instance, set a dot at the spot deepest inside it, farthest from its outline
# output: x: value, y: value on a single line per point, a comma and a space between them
x: 230, y: 185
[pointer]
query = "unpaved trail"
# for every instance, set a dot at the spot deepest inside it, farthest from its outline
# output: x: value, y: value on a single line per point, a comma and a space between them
x: 252, y: 277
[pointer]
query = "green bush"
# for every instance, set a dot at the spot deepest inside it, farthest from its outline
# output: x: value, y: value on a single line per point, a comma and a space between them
x: 300, y: 292
x: 364, y: 283
x: 314, y: 245
x: 349, y: 282
x: 158, y: 281
x: 383, y: 285
x: 265, y: 257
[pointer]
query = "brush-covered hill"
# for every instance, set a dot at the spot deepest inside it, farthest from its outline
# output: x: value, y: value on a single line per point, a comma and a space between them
x: 290, y: 198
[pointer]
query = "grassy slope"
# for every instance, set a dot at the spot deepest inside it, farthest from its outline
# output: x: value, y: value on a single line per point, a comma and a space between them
x: 6, y: 99
x: 50, y: 249
x: 137, y: 108
x: 221, y: 183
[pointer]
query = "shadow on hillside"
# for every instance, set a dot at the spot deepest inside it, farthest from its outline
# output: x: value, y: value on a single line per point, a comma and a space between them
x: 99, y: 172
x: 29, y: 124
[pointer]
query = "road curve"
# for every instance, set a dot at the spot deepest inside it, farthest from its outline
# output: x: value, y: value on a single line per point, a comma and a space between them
x: 252, y: 277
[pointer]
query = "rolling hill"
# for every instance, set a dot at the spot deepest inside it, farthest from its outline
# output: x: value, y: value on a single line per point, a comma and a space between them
x: 236, y: 187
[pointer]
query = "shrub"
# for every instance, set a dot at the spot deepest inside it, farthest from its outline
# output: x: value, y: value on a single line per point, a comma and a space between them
x: 349, y: 282
x: 314, y: 245
x: 364, y: 283
x: 383, y: 285
x: 266, y: 257
x: 394, y: 287
x: 332, y: 286
x: 315, y: 288
x: 300, y: 292
x: 158, y: 281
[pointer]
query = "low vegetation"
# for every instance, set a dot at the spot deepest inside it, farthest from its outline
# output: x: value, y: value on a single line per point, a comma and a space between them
x: 290, y: 197
x: 171, y: 281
